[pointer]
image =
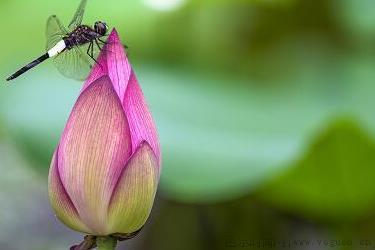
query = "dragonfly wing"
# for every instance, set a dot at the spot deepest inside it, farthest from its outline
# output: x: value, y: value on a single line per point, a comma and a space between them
x: 55, y: 32
x: 73, y: 63
x: 78, y: 16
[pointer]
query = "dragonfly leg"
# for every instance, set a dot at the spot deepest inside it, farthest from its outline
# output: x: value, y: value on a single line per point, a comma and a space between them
x: 104, y: 42
x: 100, y: 40
x: 89, y: 48
x: 92, y: 49
x: 97, y: 44
x: 95, y: 61
x: 91, y: 53
x: 124, y: 45
x: 105, y: 49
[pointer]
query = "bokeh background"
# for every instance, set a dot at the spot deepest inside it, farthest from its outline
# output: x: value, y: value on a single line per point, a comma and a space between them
x: 265, y: 111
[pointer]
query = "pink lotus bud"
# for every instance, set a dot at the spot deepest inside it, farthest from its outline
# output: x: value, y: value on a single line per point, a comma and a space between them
x: 105, y: 170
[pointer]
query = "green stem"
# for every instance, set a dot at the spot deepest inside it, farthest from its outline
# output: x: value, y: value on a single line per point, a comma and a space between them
x: 106, y: 243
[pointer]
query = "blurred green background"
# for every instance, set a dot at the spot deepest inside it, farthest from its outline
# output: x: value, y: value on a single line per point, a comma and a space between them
x: 265, y: 111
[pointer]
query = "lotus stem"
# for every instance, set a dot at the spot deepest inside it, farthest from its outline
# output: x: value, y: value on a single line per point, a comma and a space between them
x: 106, y: 243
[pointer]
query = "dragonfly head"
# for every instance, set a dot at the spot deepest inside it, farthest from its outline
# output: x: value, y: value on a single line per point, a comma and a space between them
x: 101, y: 28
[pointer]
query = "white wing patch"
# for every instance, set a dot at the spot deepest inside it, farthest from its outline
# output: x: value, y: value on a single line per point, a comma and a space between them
x: 57, y: 49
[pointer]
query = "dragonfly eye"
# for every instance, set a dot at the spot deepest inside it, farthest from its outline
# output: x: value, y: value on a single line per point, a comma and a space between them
x: 101, y: 28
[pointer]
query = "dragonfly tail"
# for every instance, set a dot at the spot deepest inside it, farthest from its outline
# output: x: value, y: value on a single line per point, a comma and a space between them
x: 29, y: 66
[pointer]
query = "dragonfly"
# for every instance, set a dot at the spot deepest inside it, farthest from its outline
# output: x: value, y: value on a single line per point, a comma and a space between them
x: 74, y: 49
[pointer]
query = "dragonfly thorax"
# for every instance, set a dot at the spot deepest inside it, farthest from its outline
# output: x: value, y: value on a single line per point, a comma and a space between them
x: 83, y: 34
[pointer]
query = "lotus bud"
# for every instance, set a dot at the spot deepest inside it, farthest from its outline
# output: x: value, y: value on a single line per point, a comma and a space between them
x: 105, y: 170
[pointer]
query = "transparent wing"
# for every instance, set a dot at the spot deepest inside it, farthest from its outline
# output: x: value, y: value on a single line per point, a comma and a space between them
x: 73, y: 63
x: 78, y: 16
x: 55, y: 31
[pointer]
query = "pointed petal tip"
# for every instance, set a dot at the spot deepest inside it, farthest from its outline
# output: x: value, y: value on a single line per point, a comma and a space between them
x: 114, y: 36
x: 147, y: 147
